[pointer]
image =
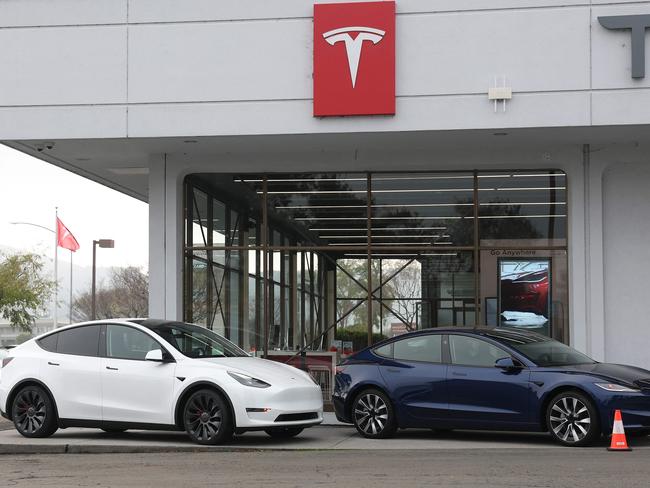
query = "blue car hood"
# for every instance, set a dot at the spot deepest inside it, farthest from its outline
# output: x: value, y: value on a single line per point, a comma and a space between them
x: 616, y: 373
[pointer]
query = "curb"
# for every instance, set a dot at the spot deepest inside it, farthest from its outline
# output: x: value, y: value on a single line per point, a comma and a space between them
x: 25, y: 449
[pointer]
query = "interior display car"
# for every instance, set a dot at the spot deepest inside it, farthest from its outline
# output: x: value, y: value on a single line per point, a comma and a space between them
x: 524, y: 293
x: 488, y: 379
x: 152, y: 374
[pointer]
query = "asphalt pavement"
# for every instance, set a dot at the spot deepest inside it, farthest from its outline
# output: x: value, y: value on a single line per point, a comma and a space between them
x: 468, y: 468
x: 321, y: 456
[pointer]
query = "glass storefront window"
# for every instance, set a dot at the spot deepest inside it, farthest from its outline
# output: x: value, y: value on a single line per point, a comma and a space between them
x: 438, y: 245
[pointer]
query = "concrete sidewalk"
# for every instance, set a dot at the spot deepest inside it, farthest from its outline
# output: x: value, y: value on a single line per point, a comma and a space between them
x: 331, y: 435
x: 77, y: 441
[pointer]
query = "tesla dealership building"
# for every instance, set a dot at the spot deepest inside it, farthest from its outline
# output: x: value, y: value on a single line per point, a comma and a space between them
x: 376, y: 167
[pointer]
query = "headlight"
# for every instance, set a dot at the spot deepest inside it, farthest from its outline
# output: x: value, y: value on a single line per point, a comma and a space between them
x: 614, y: 387
x: 246, y: 380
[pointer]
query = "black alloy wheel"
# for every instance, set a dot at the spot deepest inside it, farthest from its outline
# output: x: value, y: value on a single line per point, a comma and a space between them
x: 373, y: 415
x: 284, y: 432
x: 572, y: 419
x: 33, y: 413
x: 207, y: 418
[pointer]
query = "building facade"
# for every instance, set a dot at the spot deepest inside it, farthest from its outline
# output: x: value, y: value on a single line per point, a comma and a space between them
x: 508, y: 188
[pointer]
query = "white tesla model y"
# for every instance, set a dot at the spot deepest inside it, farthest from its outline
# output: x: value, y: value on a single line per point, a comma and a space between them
x: 152, y: 374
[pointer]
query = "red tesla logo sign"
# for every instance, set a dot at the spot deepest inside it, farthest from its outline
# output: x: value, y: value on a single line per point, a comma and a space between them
x: 354, y: 59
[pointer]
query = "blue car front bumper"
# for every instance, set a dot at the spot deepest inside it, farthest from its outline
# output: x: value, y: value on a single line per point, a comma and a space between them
x: 634, y: 407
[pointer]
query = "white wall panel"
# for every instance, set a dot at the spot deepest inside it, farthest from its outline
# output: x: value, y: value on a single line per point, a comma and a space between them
x: 63, y: 65
x: 204, y: 10
x: 627, y: 262
x: 614, y: 107
x: 64, y: 122
x: 537, y: 50
x: 15, y: 13
x: 294, y: 117
x: 220, y: 61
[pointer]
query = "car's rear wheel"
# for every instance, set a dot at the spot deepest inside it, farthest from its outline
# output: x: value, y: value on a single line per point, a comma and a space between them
x: 373, y: 415
x: 207, y: 418
x: 572, y: 419
x: 33, y: 413
x: 284, y: 432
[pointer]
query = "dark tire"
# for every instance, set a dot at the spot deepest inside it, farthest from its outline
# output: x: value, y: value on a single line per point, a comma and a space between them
x: 572, y: 419
x: 33, y: 413
x: 207, y: 418
x: 284, y: 432
x: 113, y: 431
x: 373, y: 415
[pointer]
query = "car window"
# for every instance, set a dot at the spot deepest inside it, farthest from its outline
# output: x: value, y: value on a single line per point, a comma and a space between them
x: 124, y: 342
x: 469, y: 351
x: 385, y: 351
x: 197, y: 342
x: 49, y: 342
x: 419, y: 348
x: 80, y: 341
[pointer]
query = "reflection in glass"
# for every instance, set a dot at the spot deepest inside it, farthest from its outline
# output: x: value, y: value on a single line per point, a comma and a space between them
x: 422, y: 250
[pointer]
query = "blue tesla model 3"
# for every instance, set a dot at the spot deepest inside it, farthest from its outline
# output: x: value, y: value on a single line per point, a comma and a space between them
x: 489, y: 379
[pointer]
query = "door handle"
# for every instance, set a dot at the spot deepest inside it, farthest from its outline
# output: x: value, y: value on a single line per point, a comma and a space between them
x: 454, y: 373
x: 112, y: 369
x: 393, y: 370
x: 53, y: 364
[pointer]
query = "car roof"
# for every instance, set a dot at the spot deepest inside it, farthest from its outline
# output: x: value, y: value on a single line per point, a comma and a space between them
x: 491, y: 332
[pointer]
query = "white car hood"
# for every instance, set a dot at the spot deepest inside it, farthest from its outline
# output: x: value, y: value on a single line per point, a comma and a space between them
x: 272, y: 372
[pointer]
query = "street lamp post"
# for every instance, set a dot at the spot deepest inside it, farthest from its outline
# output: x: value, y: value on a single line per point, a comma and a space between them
x: 104, y: 243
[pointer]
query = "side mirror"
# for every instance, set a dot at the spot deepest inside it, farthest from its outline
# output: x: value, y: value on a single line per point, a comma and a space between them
x: 155, y: 355
x: 507, y: 363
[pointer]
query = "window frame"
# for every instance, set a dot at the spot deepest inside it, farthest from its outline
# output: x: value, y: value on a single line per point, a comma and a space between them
x: 103, y: 344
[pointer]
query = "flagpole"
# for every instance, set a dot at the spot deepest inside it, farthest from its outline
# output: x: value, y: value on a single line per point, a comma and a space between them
x: 56, y: 267
x: 71, y: 286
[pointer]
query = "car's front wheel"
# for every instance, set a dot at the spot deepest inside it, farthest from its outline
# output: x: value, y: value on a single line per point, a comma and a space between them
x: 207, y: 418
x: 33, y: 413
x: 284, y: 432
x: 373, y: 415
x: 572, y: 419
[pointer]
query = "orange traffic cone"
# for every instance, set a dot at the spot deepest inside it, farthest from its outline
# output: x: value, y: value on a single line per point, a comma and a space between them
x: 619, y: 442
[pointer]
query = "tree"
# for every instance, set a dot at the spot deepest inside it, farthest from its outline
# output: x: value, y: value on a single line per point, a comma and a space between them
x: 24, y: 292
x: 350, y: 292
x: 407, y: 291
x: 126, y: 296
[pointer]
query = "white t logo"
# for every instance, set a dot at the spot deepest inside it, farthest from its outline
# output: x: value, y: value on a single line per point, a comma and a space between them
x: 353, y: 46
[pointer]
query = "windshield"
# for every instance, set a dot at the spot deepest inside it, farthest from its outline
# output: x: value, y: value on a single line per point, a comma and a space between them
x: 197, y: 342
x: 544, y: 351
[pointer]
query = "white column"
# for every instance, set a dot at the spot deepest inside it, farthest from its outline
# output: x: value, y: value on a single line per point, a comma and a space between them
x: 157, y: 236
x: 165, y: 239
x: 594, y: 259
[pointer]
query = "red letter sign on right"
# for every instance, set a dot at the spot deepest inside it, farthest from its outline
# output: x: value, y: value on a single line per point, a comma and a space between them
x: 354, y: 59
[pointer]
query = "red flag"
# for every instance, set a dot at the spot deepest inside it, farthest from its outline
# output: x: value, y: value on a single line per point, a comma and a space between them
x: 64, y: 237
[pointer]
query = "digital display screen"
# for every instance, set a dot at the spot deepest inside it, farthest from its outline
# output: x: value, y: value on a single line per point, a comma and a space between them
x: 525, y: 294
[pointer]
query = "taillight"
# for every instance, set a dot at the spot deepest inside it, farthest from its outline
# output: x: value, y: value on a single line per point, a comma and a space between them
x: 6, y: 361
